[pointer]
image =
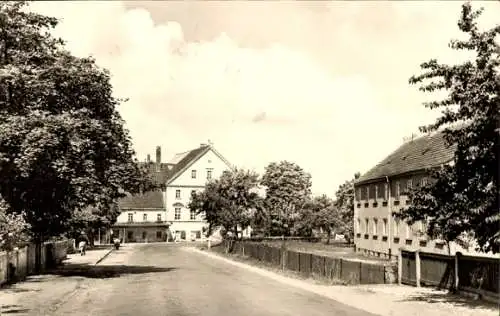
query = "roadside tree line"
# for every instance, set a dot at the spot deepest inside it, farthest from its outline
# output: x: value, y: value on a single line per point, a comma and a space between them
x: 278, y: 203
x: 65, y: 156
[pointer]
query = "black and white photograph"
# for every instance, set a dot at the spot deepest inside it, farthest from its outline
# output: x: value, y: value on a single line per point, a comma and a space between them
x: 250, y: 157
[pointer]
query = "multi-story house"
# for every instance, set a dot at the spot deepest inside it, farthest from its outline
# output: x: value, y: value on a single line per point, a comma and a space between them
x: 190, y: 173
x: 383, y: 190
x: 143, y: 217
x: 163, y: 214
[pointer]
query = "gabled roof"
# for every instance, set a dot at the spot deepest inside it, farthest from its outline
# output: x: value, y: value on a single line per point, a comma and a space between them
x: 151, y: 199
x: 189, y: 158
x: 158, y: 173
x: 425, y: 152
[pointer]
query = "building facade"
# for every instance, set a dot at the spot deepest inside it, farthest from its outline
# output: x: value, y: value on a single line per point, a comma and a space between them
x: 384, y: 190
x: 191, y: 171
x: 164, y: 214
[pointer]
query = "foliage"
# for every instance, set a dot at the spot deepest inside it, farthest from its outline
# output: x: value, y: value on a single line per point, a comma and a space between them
x: 288, y: 188
x: 229, y: 202
x: 345, y: 205
x: 463, y: 197
x: 63, y: 146
x: 13, y: 228
x: 319, y: 212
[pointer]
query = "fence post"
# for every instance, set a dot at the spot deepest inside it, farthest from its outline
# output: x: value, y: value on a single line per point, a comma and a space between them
x: 417, y: 267
x: 400, y: 267
x: 456, y: 279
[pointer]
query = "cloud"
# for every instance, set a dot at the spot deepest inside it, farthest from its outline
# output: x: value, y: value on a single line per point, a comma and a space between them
x: 284, y: 99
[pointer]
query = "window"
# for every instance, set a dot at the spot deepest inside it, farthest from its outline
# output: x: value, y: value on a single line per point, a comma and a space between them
x: 367, y: 223
x: 144, y: 235
x: 398, y: 188
x: 193, y: 174
x: 375, y: 226
x: 158, y: 217
x: 409, y: 185
x: 192, y: 215
x: 144, y: 217
x: 158, y: 234
x: 396, y: 227
x: 386, y: 191
x: 384, y: 227
x: 130, y: 235
x: 209, y: 174
x: 424, y: 181
x: 193, y: 192
x: 177, y: 213
x: 130, y: 217
x: 177, y: 194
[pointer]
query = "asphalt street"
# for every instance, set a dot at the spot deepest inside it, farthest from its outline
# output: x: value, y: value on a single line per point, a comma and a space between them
x: 163, y: 279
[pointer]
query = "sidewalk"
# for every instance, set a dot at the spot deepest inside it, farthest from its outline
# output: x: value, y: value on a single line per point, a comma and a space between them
x: 384, y: 300
x: 92, y: 257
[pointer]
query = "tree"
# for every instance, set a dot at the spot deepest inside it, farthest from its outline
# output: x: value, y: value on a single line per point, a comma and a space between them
x: 319, y: 212
x: 63, y: 146
x: 13, y: 228
x: 230, y: 202
x: 345, y: 205
x: 462, y: 198
x: 288, y: 188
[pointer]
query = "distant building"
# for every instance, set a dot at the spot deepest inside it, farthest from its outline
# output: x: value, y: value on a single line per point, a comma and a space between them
x: 191, y: 171
x: 383, y: 190
x: 163, y: 214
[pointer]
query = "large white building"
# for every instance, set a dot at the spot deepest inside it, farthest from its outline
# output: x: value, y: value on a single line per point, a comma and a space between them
x: 190, y: 172
x: 160, y: 215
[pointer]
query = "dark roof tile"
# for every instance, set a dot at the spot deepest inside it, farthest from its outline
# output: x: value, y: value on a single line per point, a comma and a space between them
x: 422, y: 153
x: 151, y: 199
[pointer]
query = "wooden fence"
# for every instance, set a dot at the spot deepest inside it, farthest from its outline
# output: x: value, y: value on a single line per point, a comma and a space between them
x: 311, y: 265
x: 479, y: 275
x: 20, y: 263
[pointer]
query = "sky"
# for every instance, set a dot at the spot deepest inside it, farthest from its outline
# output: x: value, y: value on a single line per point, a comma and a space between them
x: 322, y: 84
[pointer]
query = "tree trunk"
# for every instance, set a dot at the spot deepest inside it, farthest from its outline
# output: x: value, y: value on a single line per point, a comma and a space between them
x: 329, y: 233
x: 38, y: 253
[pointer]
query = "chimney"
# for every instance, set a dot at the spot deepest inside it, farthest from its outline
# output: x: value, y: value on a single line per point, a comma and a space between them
x: 148, y: 159
x: 158, y: 154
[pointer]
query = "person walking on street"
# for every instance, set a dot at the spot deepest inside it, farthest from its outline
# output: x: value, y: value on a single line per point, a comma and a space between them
x: 82, y: 244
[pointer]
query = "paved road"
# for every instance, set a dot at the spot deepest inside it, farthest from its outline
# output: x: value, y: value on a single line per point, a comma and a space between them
x: 161, y: 279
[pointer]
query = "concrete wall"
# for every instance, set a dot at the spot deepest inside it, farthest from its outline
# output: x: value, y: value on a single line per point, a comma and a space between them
x: 20, y: 263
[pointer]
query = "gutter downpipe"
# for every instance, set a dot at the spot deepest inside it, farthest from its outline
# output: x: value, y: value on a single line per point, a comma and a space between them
x: 389, y: 222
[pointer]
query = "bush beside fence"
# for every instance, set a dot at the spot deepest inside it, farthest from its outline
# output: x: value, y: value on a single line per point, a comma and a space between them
x: 18, y: 264
x: 312, y: 265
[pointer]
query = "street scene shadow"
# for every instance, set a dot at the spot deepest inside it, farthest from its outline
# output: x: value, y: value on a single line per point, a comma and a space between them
x: 12, y: 309
x: 453, y: 299
x: 104, y: 271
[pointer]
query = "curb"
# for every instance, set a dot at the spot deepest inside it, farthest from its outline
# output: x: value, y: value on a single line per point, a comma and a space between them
x: 104, y: 257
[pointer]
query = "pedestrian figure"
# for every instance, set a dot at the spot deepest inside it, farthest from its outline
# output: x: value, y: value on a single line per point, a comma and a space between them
x: 82, y: 244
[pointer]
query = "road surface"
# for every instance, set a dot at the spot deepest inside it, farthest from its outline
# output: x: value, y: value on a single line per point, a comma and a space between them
x: 163, y: 279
